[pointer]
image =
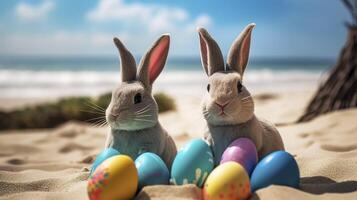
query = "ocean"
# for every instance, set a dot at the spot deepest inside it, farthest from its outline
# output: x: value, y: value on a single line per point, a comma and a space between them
x: 42, y: 77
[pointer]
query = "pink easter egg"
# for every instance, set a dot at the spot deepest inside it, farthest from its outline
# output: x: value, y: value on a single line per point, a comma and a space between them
x: 242, y: 151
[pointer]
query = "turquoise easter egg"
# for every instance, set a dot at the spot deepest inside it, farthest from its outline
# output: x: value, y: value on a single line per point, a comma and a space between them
x: 105, y: 154
x: 192, y: 164
x: 152, y: 170
x: 277, y: 168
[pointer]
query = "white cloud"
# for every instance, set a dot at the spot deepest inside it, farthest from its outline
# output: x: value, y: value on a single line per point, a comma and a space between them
x: 203, y: 20
x: 142, y: 23
x: 138, y: 25
x: 30, y: 12
x: 152, y: 17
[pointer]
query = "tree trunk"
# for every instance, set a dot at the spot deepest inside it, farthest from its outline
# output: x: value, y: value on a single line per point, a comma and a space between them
x: 339, y: 91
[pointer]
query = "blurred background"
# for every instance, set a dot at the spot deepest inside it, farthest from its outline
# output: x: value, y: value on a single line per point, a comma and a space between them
x: 51, y: 49
x: 58, y: 66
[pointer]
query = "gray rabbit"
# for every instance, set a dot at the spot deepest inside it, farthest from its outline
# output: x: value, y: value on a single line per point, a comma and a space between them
x: 228, y: 106
x: 132, y: 114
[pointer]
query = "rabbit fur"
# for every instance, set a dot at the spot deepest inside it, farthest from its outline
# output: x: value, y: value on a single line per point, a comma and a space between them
x: 132, y: 114
x: 228, y: 107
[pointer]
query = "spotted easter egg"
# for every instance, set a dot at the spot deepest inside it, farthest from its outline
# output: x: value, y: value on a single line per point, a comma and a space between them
x: 152, y: 170
x: 105, y: 154
x: 192, y: 164
x: 277, y: 168
x: 244, y: 152
x: 115, y: 178
x: 227, y: 181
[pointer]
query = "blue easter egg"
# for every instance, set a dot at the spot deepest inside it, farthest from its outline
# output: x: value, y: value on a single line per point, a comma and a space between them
x: 105, y: 154
x: 277, y: 168
x: 152, y: 170
x: 192, y: 164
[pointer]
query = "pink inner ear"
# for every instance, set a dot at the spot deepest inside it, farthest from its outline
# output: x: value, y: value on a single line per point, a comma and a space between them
x: 157, y: 59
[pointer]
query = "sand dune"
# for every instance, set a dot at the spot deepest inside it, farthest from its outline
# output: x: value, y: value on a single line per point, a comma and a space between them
x: 54, y: 163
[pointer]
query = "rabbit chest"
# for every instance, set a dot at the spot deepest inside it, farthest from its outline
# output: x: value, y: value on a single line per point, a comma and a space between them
x: 134, y: 143
x: 220, y: 137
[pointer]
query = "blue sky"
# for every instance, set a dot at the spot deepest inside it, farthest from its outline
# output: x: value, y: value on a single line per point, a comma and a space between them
x: 285, y: 28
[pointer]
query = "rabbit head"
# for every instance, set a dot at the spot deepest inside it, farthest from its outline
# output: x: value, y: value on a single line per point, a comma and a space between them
x: 132, y: 106
x: 227, y: 101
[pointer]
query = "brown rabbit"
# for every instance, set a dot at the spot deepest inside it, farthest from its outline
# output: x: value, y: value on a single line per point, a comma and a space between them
x: 228, y: 106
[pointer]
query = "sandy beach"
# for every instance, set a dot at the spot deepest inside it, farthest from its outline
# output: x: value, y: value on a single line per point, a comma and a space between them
x: 55, y: 163
x: 62, y: 62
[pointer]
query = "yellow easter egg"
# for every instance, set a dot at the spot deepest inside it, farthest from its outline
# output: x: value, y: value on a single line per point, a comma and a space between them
x: 227, y: 181
x: 115, y: 178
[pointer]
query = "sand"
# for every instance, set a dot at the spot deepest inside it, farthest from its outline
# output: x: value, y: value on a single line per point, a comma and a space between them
x: 54, y: 163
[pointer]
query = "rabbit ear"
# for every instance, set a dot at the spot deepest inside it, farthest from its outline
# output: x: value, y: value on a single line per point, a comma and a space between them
x: 154, y: 61
x: 211, y: 55
x: 239, y: 52
x: 127, y: 62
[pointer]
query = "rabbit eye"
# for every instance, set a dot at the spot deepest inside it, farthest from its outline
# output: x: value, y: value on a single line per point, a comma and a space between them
x: 137, y: 98
x: 208, y: 87
x: 239, y: 86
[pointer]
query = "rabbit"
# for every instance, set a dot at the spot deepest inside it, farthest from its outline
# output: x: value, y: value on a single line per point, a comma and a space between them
x: 132, y: 114
x: 228, y: 107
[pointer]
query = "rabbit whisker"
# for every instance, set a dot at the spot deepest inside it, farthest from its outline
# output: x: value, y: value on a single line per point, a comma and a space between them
x: 143, y: 115
x: 100, y: 123
x: 96, y: 105
x: 144, y: 120
x: 95, y: 123
x: 94, y: 108
x: 247, y: 101
x: 207, y: 114
x: 93, y: 112
x: 104, y: 121
x: 104, y: 124
x: 101, y: 119
x: 142, y: 109
x: 93, y: 105
x: 246, y: 97
x: 95, y: 118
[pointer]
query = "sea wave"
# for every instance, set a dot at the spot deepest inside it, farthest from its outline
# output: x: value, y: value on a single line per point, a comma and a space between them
x: 42, y: 83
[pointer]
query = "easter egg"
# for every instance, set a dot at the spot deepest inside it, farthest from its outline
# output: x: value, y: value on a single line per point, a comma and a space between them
x: 192, y: 164
x: 105, y: 154
x: 242, y: 151
x: 115, y: 178
x: 277, y: 168
x: 227, y: 181
x: 152, y: 170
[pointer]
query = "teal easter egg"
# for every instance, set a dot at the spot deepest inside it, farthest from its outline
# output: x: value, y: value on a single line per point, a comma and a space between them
x: 277, y: 168
x: 105, y: 154
x: 152, y: 170
x: 192, y: 164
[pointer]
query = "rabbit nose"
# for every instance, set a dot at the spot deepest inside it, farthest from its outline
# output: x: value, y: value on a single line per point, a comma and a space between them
x: 221, y: 105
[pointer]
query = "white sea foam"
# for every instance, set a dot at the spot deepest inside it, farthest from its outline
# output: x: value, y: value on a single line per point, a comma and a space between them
x: 32, y: 84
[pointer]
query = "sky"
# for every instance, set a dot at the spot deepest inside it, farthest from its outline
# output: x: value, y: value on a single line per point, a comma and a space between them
x: 284, y: 28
